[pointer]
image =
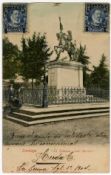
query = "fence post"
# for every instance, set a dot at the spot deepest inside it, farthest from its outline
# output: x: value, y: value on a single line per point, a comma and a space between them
x: 45, y: 95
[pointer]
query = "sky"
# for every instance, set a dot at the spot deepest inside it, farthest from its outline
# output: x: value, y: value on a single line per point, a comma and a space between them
x: 43, y: 17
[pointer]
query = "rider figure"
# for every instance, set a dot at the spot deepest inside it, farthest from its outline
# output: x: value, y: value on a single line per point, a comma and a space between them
x: 65, y: 43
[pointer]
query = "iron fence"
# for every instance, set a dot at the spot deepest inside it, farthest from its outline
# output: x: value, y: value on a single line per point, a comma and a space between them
x: 77, y: 95
x: 32, y: 96
x: 5, y: 95
x: 61, y: 96
x: 98, y: 92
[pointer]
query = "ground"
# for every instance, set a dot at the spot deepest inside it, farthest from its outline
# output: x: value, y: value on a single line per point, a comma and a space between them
x: 87, y: 130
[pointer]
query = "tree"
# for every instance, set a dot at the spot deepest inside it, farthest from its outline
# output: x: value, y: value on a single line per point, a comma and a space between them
x: 84, y: 59
x: 11, y: 62
x: 100, y: 74
x: 34, y: 56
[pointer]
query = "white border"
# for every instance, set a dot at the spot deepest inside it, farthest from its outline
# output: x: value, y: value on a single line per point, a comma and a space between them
x: 32, y: 1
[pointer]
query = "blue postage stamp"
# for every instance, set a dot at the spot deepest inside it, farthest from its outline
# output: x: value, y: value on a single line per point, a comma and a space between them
x: 14, y: 17
x: 96, y: 17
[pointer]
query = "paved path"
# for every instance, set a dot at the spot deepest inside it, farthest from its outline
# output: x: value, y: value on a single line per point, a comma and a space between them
x: 88, y: 130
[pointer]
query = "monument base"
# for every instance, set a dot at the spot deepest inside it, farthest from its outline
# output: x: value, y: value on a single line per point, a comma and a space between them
x: 65, y: 74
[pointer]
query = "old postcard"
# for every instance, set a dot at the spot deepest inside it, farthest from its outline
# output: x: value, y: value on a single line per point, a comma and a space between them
x: 56, y: 87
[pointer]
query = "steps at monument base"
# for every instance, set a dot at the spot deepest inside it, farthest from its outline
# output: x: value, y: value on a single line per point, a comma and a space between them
x: 52, y: 116
x: 59, y: 110
x: 29, y: 123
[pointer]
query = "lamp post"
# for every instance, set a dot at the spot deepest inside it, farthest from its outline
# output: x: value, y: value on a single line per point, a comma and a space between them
x: 45, y: 91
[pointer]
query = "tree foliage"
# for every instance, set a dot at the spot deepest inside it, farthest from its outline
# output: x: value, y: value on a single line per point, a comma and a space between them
x: 11, y: 62
x: 100, y: 74
x: 84, y: 59
x: 34, y: 56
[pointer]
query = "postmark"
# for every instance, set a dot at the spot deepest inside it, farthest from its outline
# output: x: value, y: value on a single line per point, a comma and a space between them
x: 96, y: 17
x: 15, y: 17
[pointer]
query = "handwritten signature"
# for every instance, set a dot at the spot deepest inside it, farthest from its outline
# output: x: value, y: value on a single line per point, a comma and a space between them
x: 52, y: 162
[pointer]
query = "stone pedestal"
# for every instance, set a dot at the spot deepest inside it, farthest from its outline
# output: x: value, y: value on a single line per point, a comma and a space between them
x: 65, y: 74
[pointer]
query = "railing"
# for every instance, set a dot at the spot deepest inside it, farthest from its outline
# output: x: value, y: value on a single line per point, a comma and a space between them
x: 98, y: 92
x: 61, y: 96
x: 77, y: 95
x: 5, y: 96
x: 32, y: 96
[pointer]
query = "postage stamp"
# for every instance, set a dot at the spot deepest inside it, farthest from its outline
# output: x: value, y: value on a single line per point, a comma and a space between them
x: 14, y: 17
x: 96, y: 17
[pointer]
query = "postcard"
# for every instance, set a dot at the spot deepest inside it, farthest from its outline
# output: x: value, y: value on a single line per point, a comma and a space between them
x: 56, y: 87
